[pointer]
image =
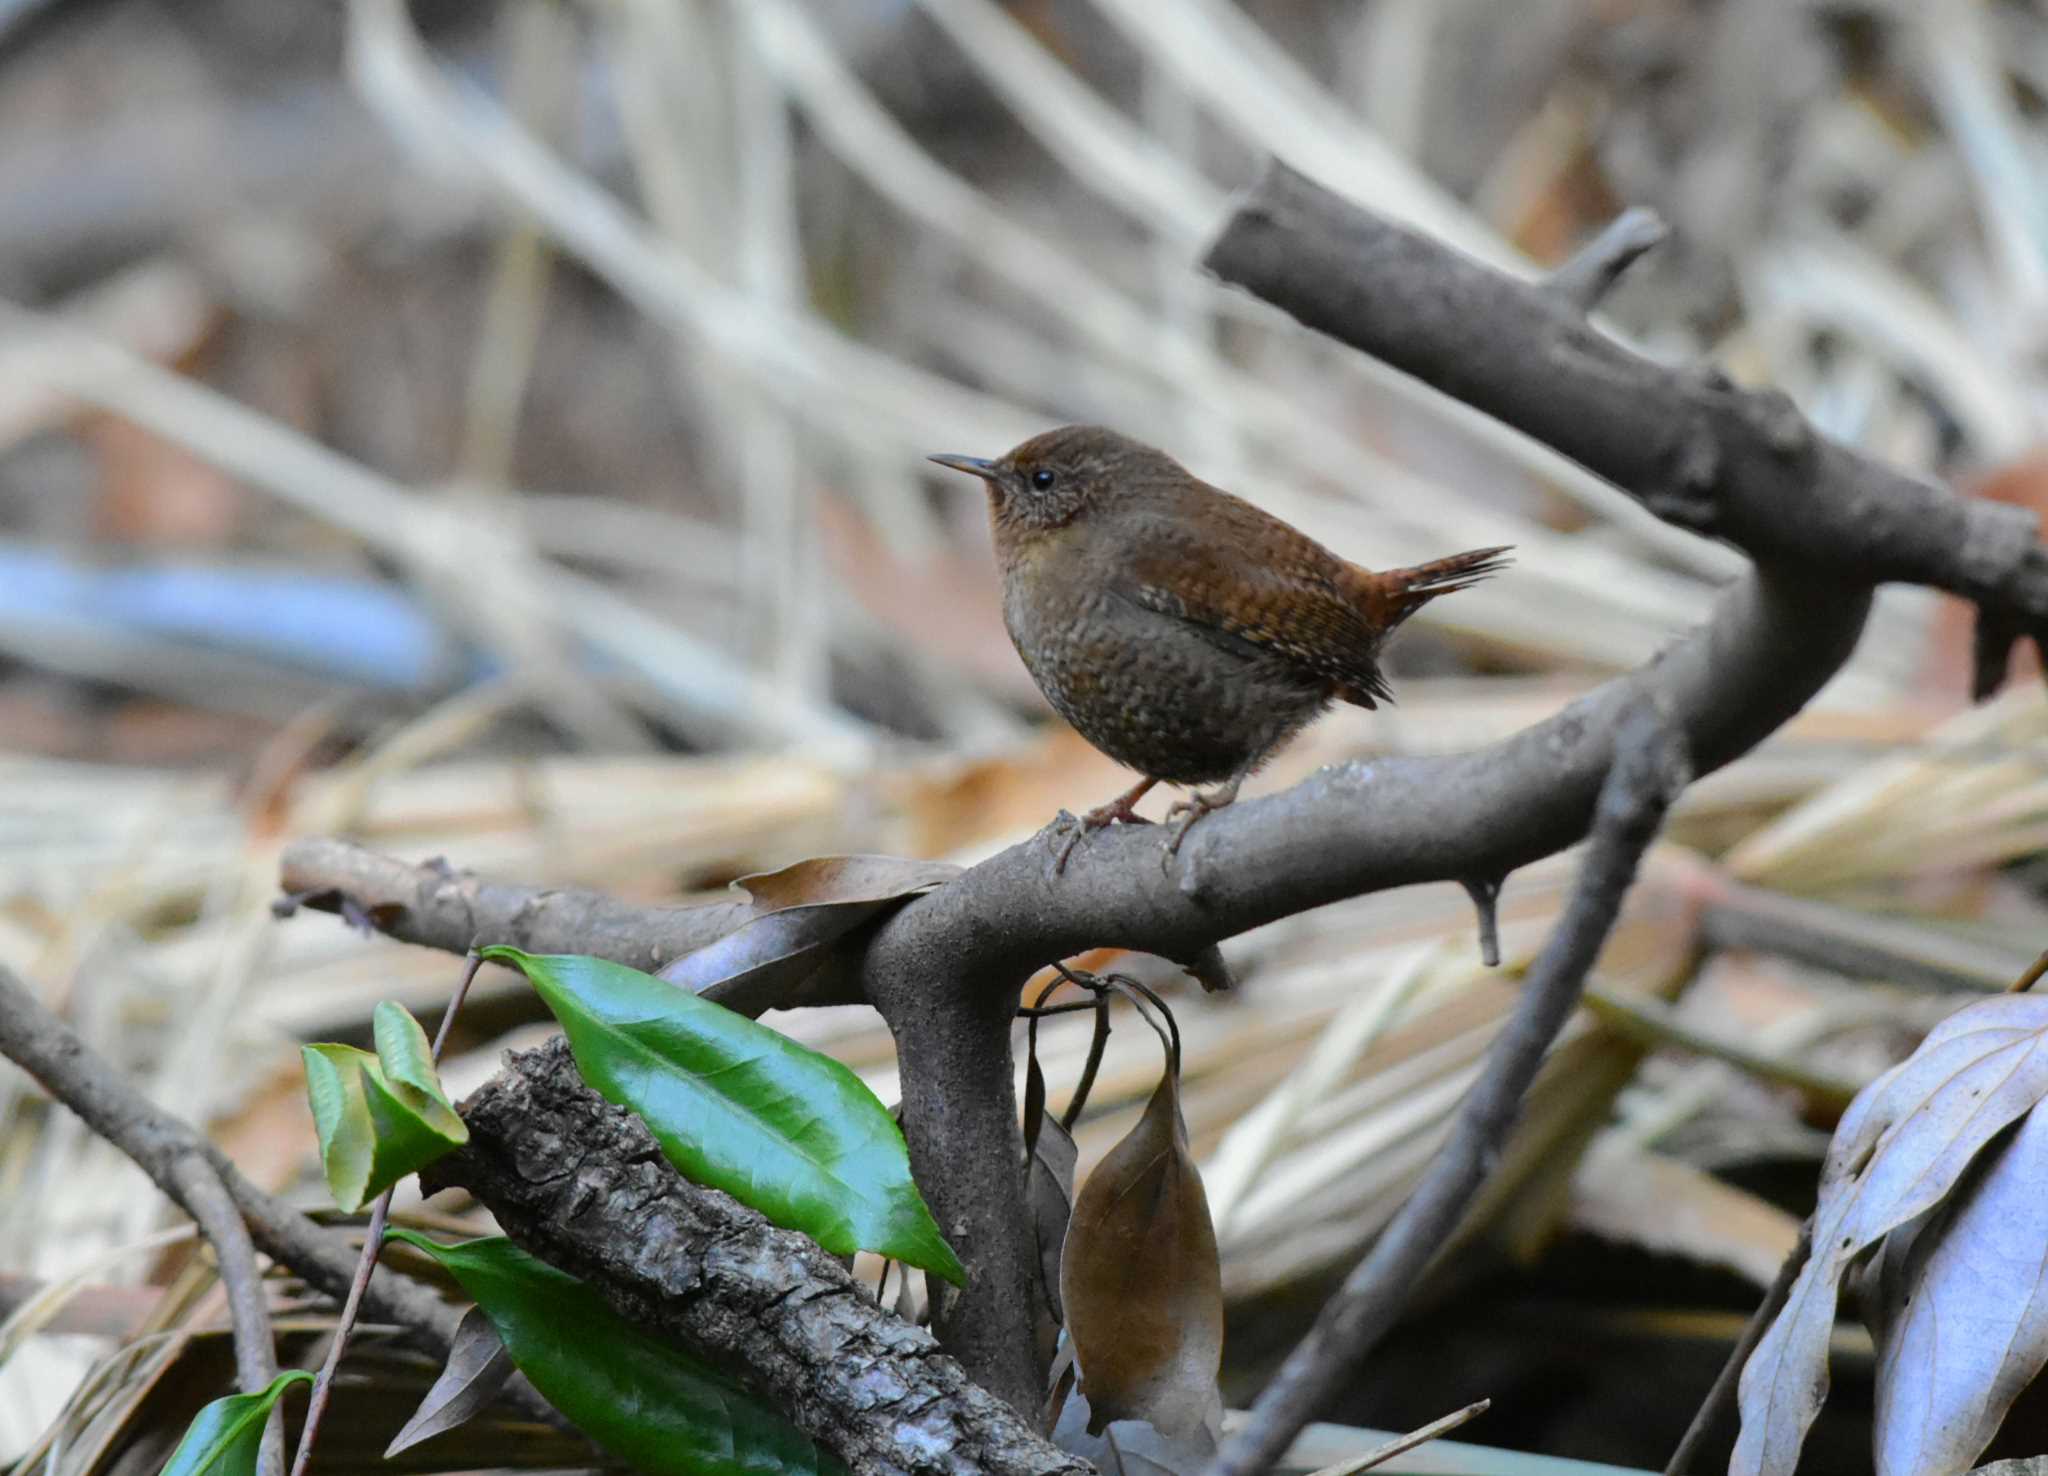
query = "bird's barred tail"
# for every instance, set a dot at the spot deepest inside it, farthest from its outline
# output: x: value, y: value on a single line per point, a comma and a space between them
x: 1402, y: 592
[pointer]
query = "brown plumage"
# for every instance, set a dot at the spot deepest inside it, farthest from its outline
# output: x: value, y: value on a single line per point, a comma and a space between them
x: 1183, y: 631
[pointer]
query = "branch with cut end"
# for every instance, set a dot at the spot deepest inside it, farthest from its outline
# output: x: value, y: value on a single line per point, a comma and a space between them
x: 1649, y: 771
x: 582, y: 1184
x: 434, y: 905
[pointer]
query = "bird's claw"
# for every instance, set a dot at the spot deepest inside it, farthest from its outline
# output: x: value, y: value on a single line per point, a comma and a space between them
x: 1078, y: 828
x: 1182, y: 814
x: 1066, y: 823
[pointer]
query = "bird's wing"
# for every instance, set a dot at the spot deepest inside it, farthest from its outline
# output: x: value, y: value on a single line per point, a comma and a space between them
x: 1263, y: 588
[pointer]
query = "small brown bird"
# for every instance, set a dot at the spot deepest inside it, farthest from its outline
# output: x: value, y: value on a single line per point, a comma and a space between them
x: 1181, y: 630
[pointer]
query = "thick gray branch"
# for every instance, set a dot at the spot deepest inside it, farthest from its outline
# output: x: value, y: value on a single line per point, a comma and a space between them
x: 1737, y: 464
x: 582, y: 1184
x: 1823, y: 524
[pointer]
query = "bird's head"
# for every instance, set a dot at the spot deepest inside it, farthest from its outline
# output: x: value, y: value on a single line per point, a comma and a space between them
x: 1059, y: 475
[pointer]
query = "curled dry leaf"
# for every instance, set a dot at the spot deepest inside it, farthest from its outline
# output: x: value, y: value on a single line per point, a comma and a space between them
x: 1140, y: 1279
x: 478, y: 1367
x: 1050, y: 1192
x: 801, y: 911
x: 1051, y: 1156
x: 1901, y: 1149
x: 1964, y: 1325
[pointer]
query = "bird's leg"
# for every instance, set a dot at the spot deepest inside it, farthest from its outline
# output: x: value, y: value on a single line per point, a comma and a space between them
x: 1117, y: 810
x: 1196, y: 805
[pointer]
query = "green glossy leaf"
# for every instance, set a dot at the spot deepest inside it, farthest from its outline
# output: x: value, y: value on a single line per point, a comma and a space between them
x: 225, y: 1438
x: 408, y: 1062
x: 379, y: 1117
x: 644, y: 1400
x: 741, y: 1108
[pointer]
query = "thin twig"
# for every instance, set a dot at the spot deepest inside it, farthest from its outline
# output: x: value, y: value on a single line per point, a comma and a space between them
x: 1097, y: 1044
x: 1379, y: 1455
x: 2032, y: 976
x: 1731, y: 1371
x: 1647, y: 771
x: 373, y: 1242
x: 206, y: 1199
x: 1040, y: 1012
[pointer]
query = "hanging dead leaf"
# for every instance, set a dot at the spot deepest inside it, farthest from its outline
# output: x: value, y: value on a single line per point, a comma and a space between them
x: 1902, y: 1147
x: 1962, y: 1327
x: 1140, y: 1280
x: 1050, y: 1157
x: 801, y: 911
x: 845, y: 881
x: 1050, y: 1192
x: 478, y: 1367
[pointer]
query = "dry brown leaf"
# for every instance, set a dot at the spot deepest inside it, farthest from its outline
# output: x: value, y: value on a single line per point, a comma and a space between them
x: 1050, y: 1193
x: 1140, y: 1279
x: 478, y: 1367
x: 801, y: 911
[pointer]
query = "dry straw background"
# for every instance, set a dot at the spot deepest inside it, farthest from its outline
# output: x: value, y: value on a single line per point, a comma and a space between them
x: 505, y: 443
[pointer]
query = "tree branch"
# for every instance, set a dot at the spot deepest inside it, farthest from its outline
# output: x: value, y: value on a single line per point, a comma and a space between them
x: 1649, y: 770
x: 1695, y: 449
x: 76, y: 1075
x: 1823, y: 524
x: 203, y: 1196
x: 434, y: 905
x: 583, y: 1185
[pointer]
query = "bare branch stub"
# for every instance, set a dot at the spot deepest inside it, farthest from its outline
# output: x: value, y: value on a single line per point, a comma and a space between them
x: 1591, y: 272
x: 1649, y: 770
x: 581, y: 1184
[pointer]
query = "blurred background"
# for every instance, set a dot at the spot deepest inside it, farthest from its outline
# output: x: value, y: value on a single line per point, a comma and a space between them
x: 497, y: 432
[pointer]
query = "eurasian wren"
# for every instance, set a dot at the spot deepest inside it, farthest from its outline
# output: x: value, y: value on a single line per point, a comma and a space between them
x: 1181, y: 630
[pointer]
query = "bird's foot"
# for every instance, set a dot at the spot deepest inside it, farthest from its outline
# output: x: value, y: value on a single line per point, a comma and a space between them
x: 1183, y: 814
x: 1117, y: 812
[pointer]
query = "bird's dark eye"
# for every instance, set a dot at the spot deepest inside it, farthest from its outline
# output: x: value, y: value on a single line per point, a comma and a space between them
x: 1042, y: 479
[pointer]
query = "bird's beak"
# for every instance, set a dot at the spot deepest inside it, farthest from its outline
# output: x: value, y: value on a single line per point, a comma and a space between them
x: 974, y: 466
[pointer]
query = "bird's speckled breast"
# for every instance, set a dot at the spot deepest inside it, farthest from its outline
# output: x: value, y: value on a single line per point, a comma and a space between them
x: 1150, y: 690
